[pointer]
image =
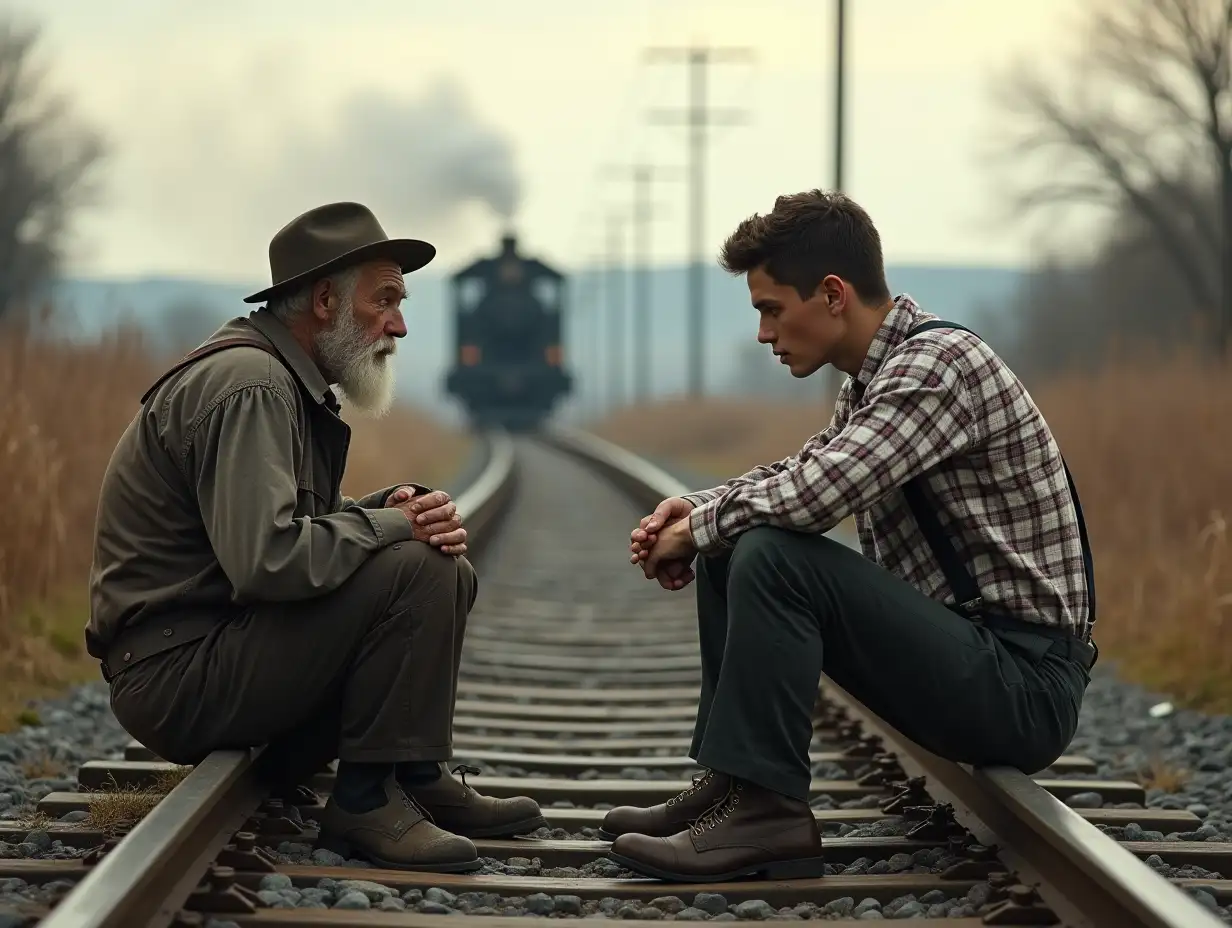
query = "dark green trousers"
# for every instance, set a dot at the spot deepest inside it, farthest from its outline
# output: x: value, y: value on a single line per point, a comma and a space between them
x: 781, y: 607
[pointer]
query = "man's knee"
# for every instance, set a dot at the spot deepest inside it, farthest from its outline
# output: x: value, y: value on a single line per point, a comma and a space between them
x: 766, y: 547
x: 759, y: 550
x: 752, y: 552
x: 416, y: 569
x: 770, y: 562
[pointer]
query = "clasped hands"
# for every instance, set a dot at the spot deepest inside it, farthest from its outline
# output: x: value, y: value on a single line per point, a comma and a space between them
x: 434, y: 516
x: 663, y: 546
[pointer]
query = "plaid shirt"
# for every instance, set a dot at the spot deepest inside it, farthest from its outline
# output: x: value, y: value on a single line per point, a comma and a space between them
x: 944, y: 403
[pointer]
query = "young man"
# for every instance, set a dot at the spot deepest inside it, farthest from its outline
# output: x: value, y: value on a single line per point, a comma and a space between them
x: 966, y: 622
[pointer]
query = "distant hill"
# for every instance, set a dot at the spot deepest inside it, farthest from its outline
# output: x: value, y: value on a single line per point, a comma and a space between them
x: 178, y: 313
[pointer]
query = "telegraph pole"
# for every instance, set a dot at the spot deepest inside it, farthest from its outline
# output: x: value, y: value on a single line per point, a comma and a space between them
x: 594, y: 300
x: 643, y: 176
x: 840, y: 127
x: 839, y: 94
x: 698, y: 116
x: 614, y: 292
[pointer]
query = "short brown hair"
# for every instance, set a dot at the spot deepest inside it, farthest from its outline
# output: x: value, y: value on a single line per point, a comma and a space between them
x: 807, y: 237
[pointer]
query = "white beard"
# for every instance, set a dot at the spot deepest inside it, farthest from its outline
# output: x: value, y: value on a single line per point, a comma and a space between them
x: 362, y: 369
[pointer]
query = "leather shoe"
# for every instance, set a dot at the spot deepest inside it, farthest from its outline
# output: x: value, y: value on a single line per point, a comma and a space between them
x: 751, y: 832
x: 458, y: 808
x: 667, y: 818
x: 397, y: 836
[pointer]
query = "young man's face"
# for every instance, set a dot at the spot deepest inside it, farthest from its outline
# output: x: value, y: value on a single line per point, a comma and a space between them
x: 802, y: 333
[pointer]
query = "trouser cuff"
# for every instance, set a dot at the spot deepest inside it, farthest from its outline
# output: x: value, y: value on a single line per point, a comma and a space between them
x: 755, y: 770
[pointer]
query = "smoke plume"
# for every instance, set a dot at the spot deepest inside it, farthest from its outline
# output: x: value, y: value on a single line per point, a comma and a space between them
x: 416, y: 161
x: 223, y: 174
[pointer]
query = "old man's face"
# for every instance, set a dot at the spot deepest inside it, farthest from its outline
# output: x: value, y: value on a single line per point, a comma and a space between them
x: 359, y: 345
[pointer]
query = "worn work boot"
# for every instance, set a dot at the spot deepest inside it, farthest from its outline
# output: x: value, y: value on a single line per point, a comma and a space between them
x: 458, y: 808
x: 752, y: 832
x: 397, y: 836
x: 667, y: 818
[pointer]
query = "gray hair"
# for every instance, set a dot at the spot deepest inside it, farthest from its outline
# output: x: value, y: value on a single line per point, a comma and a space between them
x: 289, y: 306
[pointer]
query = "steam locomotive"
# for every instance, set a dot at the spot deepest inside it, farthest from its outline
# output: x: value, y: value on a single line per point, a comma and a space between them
x: 508, y: 368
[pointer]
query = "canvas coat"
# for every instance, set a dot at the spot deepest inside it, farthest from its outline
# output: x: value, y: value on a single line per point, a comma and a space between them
x: 202, y: 516
x: 238, y: 599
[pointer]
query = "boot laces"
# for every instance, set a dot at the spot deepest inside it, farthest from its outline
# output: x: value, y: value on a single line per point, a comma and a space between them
x: 699, y: 780
x: 409, y: 802
x: 719, y: 811
x: 463, y: 770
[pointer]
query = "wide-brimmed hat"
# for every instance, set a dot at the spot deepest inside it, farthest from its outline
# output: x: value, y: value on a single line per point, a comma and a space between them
x: 331, y: 237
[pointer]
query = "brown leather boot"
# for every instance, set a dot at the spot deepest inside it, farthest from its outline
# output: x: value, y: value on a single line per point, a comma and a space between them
x: 397, y: 836
x: 667, y: 818
x: 752, y: 832
x: 458, y: 808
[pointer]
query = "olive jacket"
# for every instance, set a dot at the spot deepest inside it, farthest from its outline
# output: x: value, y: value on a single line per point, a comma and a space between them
x: 224, y: 491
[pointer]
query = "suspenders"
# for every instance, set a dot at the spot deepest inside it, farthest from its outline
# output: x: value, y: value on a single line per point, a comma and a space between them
x: 208, y: 349
x: 961, y: 583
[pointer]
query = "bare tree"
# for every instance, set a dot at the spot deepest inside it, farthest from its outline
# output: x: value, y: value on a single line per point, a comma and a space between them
x: 1145, y: 129
x: 47, y: 164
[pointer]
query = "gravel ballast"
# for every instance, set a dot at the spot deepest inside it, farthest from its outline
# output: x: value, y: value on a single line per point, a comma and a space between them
x: 1127, y: 731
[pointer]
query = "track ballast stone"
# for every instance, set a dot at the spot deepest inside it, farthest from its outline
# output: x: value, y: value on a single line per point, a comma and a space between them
x: 41, y: 758
x: 277, y: 891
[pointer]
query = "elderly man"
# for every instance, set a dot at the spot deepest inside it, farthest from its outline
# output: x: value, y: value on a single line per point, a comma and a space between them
x: 239, y: 600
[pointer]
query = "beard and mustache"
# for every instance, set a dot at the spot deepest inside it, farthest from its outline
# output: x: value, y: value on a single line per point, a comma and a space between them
x: 361, y: 368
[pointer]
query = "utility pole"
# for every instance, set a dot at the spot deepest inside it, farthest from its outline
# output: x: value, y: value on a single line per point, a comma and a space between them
x: 594, y: 303
x: 839, y: 91
x: 840, y: 127
x: 643, y: 176
x: 698, y: 117
x: 614, y: 292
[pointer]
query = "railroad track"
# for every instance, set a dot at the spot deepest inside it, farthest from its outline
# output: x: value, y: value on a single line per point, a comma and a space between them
x: 578, y: 687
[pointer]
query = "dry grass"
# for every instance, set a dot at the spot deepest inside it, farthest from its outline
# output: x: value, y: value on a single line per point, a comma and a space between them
x: 116, y: 808
x: 1159, y: 774
x: 1151, y: 450
x: 64, y: 408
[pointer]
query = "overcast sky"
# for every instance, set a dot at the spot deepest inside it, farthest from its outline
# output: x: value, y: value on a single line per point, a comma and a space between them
x: 227, y: 118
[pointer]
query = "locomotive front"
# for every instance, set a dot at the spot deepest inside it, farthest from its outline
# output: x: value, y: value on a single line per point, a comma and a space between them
x: 508, y: 366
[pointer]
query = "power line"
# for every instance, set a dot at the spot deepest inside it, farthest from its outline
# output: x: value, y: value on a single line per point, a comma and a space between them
x: 698, y: 116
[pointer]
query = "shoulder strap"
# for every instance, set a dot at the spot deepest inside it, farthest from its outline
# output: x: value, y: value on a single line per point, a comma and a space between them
x: 208, y: 349
x: 936, y: 324
x: 957, y: 576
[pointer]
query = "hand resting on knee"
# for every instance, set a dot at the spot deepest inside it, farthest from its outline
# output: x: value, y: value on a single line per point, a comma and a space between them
x: 435, y: 517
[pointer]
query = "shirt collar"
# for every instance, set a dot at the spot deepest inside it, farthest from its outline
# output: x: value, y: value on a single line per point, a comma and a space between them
x: 304, y: 368
x: 890, y: 335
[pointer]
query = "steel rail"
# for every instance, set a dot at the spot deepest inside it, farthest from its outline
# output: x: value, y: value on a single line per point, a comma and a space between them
x: 144, y: 881
x: 1085, y: 876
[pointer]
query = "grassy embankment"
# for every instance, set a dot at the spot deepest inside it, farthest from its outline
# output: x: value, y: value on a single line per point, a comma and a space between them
x: 1151, y: 449
x: 64, y: 407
